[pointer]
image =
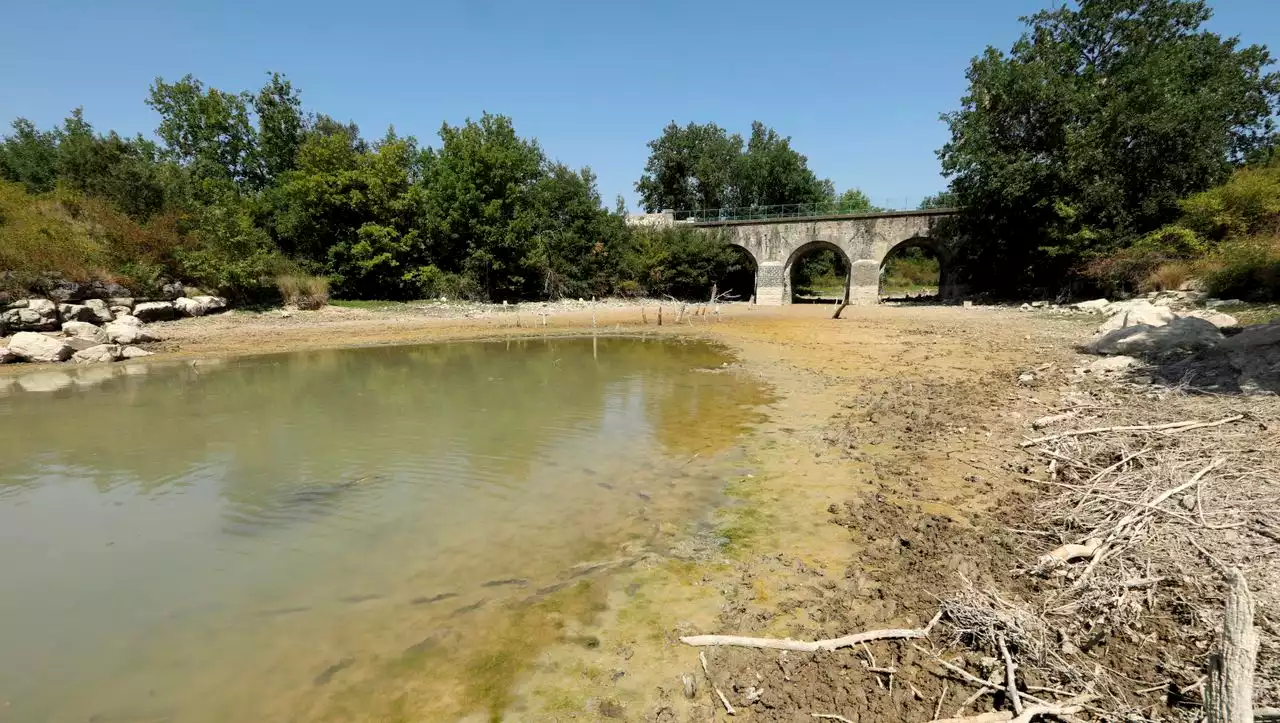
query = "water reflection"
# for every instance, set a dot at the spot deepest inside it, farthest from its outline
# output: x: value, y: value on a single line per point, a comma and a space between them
x: 170, y: 532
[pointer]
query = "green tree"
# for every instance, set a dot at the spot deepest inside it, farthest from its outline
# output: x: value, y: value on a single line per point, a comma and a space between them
x: 124, y: 171
x: 941, y: 199
x: 690, y: 167
x: 577, y: 244
x: 855, y: 201
x: 207, y: 130
x: 477, y: 187
x: 281, y: 127
x: 30, y: 157
x: 772, y: 173
x: 1088, y: 132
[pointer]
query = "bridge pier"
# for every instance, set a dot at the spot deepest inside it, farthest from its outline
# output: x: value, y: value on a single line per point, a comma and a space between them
x: 864, y: 282
x: 771, y: 286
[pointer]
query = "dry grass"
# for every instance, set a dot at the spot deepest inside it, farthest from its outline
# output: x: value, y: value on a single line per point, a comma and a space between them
x: 1169, y: 276
x: 303, y: 291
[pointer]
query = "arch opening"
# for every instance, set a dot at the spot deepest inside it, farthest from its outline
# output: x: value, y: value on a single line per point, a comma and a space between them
x: 737, y: 278
x: 818, y: 273
x: 911, y: 271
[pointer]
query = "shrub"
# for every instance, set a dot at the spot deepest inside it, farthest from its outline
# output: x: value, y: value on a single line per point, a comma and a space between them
x: 303, y: 290
x: 1169, y: 276
x: 1247, y: 269
x: 1248, y: 204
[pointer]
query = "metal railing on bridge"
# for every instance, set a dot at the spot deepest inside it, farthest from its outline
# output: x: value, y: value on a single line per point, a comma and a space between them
x: 791, y: 210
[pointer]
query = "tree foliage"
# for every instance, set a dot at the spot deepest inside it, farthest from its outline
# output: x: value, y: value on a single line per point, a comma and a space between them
x: 704, y: 167
x: 1088, y: 132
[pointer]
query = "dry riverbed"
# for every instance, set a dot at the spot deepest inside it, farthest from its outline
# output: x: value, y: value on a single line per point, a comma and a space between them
x: 886, y: 482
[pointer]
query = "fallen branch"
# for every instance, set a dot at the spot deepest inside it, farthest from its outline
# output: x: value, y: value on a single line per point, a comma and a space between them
x: 999, y: 716
x: 1175, y: 426
x: 1228, y: 697
x: 966, y: 675
x: 1010, y: 682
x: 831, y: 716
x: 1070, y: 707
x: 803, y: 646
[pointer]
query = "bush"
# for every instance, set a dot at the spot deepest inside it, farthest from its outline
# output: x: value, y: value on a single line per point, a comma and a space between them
x: 303, y: 291
x: 1247, y: 269
x: 911, y: 270
x: 1246, y: 205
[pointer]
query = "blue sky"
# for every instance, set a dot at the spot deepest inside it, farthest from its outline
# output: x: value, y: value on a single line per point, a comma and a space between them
x: 857, y: 85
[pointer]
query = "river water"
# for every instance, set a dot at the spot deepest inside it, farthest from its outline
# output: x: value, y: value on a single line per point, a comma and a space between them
x: 360, y: 534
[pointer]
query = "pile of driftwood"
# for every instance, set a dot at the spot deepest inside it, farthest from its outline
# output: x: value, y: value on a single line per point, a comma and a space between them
x: 1135, y: 519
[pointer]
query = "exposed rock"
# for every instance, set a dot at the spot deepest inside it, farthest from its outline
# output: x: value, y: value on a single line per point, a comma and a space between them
x: 1255, y: 352
x: 155, y: 311
x: 35, y: 315
x: 118, y: 333
x: 45, y: 381
x: 101, y: 312
x: 33, y: 347
x: 17, y: 304
x: 6, y: 356
x: 101, y: 290
x: 128, y: 320
x: 119, y: 311
x: 1187, y: 335
x: 1217, y: 318
x: 133, y: 352
x: 1131, y: 313
x: 124, y: 301
x: 212, y: 304
x: 83, y: 330
x: 189, y: 307
x: 1111, y: 364
x: 1095, y: 305
x: 80, y: 343
x: 172, y: 290
x: 76, y: 312
x: 1215, y: 303
x: 98, y: 354
x: 65, y: 291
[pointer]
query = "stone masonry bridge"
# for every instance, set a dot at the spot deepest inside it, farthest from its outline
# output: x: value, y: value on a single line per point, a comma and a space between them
x: 864, y: 240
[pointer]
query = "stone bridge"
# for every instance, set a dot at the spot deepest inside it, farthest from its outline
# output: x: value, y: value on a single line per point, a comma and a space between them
x: 864, y: 240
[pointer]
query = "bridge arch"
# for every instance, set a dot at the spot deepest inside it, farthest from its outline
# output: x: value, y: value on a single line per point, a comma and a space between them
x: 740, y: 280
x: 789, y: 267
x: 920, y: 265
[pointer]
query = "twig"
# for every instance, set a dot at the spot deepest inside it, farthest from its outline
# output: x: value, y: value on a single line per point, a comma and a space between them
x: 1070, y: 707
x: 831, y: 716
x: 803, y: 646
x: 937, y: 711
x: 1000, y: 716
x: 1178, y: 426
x: 954, y: 668
x: 1010, y: 683
x: 972, y: 699
x: 727, y: 708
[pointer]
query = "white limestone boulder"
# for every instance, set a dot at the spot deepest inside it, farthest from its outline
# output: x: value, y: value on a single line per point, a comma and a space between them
x: 1096, y: 306
x: 155, y: 311
x: 32, y: 315
x: 76, y: 312
x: 212, y: 304
x: 102, y: 353
x: 1217, y: 318
x: 120, y: 333
x: 101, y: 311
x: 34, y: 347
x: 133, y: 352
x: 189, y: 307
x: 83, y: 330
x: 1133, y: 313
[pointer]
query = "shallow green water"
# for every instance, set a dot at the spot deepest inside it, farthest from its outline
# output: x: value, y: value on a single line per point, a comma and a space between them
x: 256, y: 539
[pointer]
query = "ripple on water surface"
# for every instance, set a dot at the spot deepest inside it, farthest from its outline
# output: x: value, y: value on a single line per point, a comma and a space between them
x: 303, y: 536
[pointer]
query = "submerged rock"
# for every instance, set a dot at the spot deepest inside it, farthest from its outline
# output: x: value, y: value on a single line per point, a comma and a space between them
x: 45, y: 381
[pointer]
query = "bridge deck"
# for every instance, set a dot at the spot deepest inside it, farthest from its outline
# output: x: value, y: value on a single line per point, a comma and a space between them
x: 748, y: 221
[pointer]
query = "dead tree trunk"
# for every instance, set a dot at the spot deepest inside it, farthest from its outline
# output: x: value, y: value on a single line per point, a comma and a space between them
x: 1229, y: 694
